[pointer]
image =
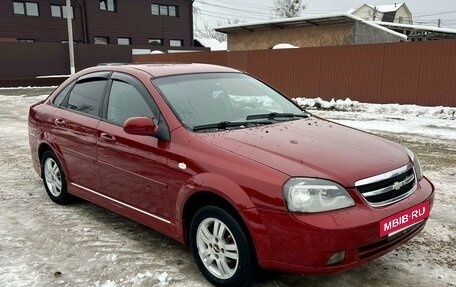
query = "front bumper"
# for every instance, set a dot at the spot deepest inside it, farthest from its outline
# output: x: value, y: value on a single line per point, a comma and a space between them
x: 303, y: 243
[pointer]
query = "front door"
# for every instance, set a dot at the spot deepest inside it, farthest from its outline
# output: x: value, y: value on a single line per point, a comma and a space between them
x: 133, y: 168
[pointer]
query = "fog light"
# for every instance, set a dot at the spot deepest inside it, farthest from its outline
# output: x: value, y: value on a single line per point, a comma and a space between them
x: 336, y: 258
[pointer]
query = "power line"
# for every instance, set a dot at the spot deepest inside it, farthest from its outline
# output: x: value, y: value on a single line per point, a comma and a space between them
x: 233, y: 17
x: 234, y: 9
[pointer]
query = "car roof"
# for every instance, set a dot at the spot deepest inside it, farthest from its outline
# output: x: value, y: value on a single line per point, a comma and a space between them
x: 169, y: 69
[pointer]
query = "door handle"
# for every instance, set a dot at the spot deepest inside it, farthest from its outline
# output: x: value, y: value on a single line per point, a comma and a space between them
x: 59, y: 122
x: 105, y: 137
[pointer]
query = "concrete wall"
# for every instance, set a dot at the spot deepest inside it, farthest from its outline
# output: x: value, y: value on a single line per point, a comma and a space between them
x: 366, y: 34
x: 301, y: 36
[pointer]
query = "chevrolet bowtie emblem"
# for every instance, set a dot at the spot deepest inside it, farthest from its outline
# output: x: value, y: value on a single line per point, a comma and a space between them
x: 397, y: 185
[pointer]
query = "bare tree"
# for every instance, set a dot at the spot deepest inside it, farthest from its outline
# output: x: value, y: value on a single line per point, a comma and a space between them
x: 288, y: 8
x: 203, y: 29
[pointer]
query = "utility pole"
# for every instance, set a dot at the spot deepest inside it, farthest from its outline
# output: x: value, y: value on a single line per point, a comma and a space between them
x: 438, y: 23
x: 70, y: 36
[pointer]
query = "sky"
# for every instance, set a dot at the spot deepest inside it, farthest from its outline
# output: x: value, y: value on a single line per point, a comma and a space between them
x: 424, y: 12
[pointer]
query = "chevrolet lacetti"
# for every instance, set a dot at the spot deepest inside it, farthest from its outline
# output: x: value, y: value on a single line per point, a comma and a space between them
x: 222, y: 162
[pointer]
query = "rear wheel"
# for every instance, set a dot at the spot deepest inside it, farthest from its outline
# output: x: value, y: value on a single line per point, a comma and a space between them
x: 221, y: 248
x: 54, y: 178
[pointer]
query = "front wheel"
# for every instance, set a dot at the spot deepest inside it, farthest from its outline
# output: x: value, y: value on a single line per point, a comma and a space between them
x: 221, y: 248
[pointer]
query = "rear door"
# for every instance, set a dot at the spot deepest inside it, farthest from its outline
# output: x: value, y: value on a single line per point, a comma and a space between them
x: 75, y: 130
x: 133, y: 168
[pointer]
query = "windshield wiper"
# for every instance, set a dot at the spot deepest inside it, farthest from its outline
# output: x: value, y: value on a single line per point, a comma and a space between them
x: 226, y: 124
x: 272, y: 116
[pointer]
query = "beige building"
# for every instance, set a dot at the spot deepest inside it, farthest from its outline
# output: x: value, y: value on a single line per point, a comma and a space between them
x: 324, y: 30
x: 396, y: 13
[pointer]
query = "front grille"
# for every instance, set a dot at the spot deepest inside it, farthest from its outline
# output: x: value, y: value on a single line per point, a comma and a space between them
x: 389, y: 187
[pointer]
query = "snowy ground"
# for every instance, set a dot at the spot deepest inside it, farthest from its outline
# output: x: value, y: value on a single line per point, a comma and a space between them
x: 43, y: 244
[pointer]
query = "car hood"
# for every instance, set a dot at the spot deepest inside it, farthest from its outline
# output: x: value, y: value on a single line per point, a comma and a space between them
x: 313, y: 147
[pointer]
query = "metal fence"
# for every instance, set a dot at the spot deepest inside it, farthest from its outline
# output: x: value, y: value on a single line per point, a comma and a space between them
x: 421, y: 73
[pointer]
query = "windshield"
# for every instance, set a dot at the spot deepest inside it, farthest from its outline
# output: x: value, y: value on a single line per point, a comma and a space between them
x: 211, y: 98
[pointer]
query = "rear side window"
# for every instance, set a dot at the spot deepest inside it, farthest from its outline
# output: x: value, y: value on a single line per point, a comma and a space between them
x: 86, y: 96
x: 125, y: 101
x: 61, y: 96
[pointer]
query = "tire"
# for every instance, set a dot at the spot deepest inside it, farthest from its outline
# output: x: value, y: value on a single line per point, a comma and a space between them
x: 229, y: 257
x: 54, y: 178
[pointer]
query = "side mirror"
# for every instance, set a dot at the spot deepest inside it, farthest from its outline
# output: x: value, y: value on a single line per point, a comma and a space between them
x: 141, y: 126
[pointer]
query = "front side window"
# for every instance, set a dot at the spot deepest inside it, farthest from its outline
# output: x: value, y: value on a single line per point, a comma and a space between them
x: 108, y: 5
x: 208, y: 98
x: 125, y: 101
x: 26, y: 8
x: 87, y: 95
x: 124, y: 41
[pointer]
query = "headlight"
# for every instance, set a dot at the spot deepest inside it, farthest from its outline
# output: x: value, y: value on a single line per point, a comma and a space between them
x: 416, y: 163
x: 315, y: 195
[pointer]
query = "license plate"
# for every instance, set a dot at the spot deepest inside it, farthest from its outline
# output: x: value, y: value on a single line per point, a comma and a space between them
x: 402, y: 220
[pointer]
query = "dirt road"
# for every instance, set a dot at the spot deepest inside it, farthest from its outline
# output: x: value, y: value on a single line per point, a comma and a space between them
x: 43, y: 244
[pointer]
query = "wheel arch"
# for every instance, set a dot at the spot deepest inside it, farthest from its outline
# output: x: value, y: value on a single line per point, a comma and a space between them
x: 46, y: 146
x: 205, y: 198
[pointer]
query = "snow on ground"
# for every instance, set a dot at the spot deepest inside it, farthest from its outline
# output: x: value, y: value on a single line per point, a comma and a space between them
x: 44, y: 244
x: 431, y: 122
x: 2, y: 89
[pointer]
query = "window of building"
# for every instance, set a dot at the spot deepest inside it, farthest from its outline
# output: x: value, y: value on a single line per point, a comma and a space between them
x: 101, y: 40
x: 19, y: 8
x: 86, y: 96
x: 124, y: 41
x: 155, y: 9
x: 60, y: 11
x: 164, y: 10
x: 401, y: 19
x: 176, y: 43
x: 26, y: 8
x: 31, y: 9
x: 156, y: 42
x: 172, y: 11
x: 56, y: 11
x: 24, y: 40
x: 108, y: 5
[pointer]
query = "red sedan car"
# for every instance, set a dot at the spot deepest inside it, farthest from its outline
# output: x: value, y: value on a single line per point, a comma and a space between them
x: 219, y: 160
